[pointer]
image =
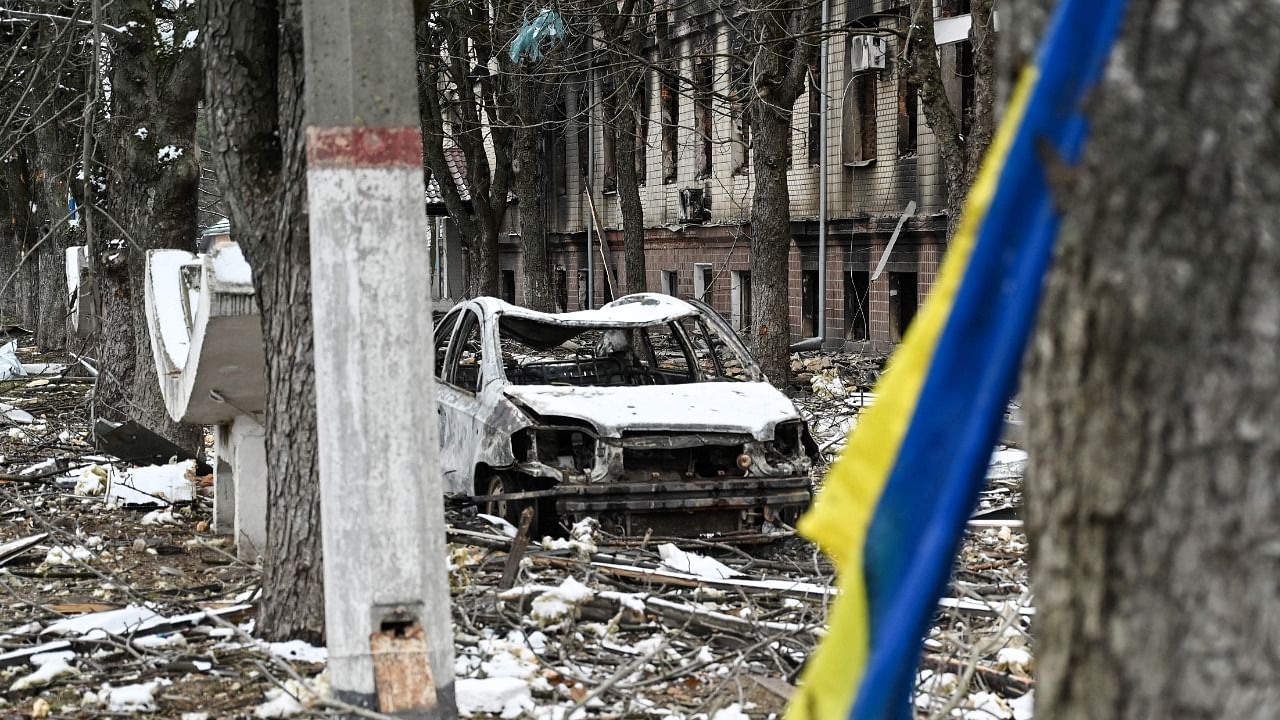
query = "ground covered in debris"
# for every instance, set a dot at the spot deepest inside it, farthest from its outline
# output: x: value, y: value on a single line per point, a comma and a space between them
x: 115, y: 603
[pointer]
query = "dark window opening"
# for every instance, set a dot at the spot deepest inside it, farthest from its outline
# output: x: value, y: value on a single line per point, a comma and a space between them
x: 857, y: 294
x: 609, y: 131
x: 465, y: 358
x: 583, y: 285
x: 809, y: 303
x: 742, y: 300
x: 703, y: 79
x: 907, y: 118
x: 903, y: 299
x: 739, y: 99
x: 706, y: 277
x: 815, y: 114
x: 509, y: 286
x: 952, y: 8
x: 554, y: 138
x: 858, y: 141
x: 560, y: 287
x: 642, y: 131
x: 582, y: 121
x: 607, y: 282
x: 670, y: 119
x: 671, y: 283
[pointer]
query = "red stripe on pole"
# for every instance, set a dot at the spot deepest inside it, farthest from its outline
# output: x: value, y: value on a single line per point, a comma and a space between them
x: 365, y: 147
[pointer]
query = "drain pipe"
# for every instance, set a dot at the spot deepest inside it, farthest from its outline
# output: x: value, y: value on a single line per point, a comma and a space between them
x: 591, y: 174
x: 816, y: 342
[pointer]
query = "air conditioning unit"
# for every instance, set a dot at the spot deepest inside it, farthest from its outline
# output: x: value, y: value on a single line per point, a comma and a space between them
x: 867, y: 52
x: 695, y: 205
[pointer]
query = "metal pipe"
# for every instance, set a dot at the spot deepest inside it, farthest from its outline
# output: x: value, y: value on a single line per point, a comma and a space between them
x: 816, y: 342
x: 591, y: 167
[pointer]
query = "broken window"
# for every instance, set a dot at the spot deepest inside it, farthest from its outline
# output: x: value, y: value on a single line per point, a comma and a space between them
x: 609, y: 280
x: 582, y: 122
x: 583, y: 285
x: 668, y: 353
x: 903, y: 299
x: 689, y: 350
x: 560, y: 287
x: 642, y: 130
x: 703, y: 278
x: 443, y: 333
x: 509, y: 286
x: 714, y: 358
x: 907, y: 117
x: 670, y: 118
x: 609, y: 151
x: 739, y: 96
x: 741, y: 306
x: 809, y: 302
x: 952, y: 8
x: 815, y: 114
x: 858, y: 130
x: 554, y: 139
x: 857, y: 293
x: 702, y: 82
x: 466, y: 355
x: 671, y: 283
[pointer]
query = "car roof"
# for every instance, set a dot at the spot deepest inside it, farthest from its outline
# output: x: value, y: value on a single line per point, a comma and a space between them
x: 637, y: 310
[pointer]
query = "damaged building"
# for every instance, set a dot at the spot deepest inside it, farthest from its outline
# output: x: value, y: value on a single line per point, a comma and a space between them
x: 882, y: 165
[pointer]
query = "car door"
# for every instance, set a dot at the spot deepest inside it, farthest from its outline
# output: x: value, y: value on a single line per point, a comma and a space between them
x: 458, y: 404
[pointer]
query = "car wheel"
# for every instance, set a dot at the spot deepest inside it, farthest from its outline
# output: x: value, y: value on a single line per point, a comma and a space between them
x: 508, y: 510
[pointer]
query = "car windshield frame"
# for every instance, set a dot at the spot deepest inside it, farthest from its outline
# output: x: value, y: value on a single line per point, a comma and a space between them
x: 521, y: 329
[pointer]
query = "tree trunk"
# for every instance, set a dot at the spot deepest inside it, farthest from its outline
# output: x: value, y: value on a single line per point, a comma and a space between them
x: 483, y: 262
x: 526, y: 166
x: 22, y: 277
x: 1151, y: 395
x: 153, y: 202
x: 480, y: 124
x: 57, y: 163
x: 8, y: 249
x: 961, y: 155
x: 254, y: 71
x: 629, y: 182
x: 784, y: 51
x: 771, y: 241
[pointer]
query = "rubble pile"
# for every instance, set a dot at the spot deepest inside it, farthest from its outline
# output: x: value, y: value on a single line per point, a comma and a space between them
x: 115, y: 608
x: 830, y: 389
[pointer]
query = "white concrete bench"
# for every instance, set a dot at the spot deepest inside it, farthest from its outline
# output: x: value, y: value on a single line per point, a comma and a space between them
x: 206, y: 338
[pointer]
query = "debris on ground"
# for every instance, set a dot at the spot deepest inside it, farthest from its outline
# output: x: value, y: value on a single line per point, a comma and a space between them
x: 111, y: 608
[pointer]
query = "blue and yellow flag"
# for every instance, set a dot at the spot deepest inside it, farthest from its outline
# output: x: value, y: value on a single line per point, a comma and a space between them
x: 894, y: 506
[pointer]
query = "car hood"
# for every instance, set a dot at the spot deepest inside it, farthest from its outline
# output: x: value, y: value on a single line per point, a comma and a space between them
x: 731, y: 407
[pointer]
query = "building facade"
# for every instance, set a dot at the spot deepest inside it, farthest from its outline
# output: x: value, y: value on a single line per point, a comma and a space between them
x: 881, y: 162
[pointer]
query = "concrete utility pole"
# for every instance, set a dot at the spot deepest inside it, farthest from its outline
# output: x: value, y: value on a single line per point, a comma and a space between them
x: 386, y: 588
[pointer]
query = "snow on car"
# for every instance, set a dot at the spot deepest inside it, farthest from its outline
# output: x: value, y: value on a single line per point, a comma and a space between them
x: 647, y: 414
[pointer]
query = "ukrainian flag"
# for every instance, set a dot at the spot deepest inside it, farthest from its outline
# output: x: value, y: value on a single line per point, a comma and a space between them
x: 894, y: 506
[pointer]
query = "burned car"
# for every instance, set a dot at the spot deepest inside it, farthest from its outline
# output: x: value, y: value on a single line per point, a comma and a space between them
x: 648, y: 414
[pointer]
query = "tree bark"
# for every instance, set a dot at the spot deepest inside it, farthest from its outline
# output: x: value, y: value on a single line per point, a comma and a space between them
x: 254, y: 71
x: 57, y: 161
x: 622, y: 108
x: 1151, y: 393
x: 771, y: 241
x: 961, y: 155
x: 151, y: 203
x: 22, y: 277
x: 779, y: 73
x: 527, y: 168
